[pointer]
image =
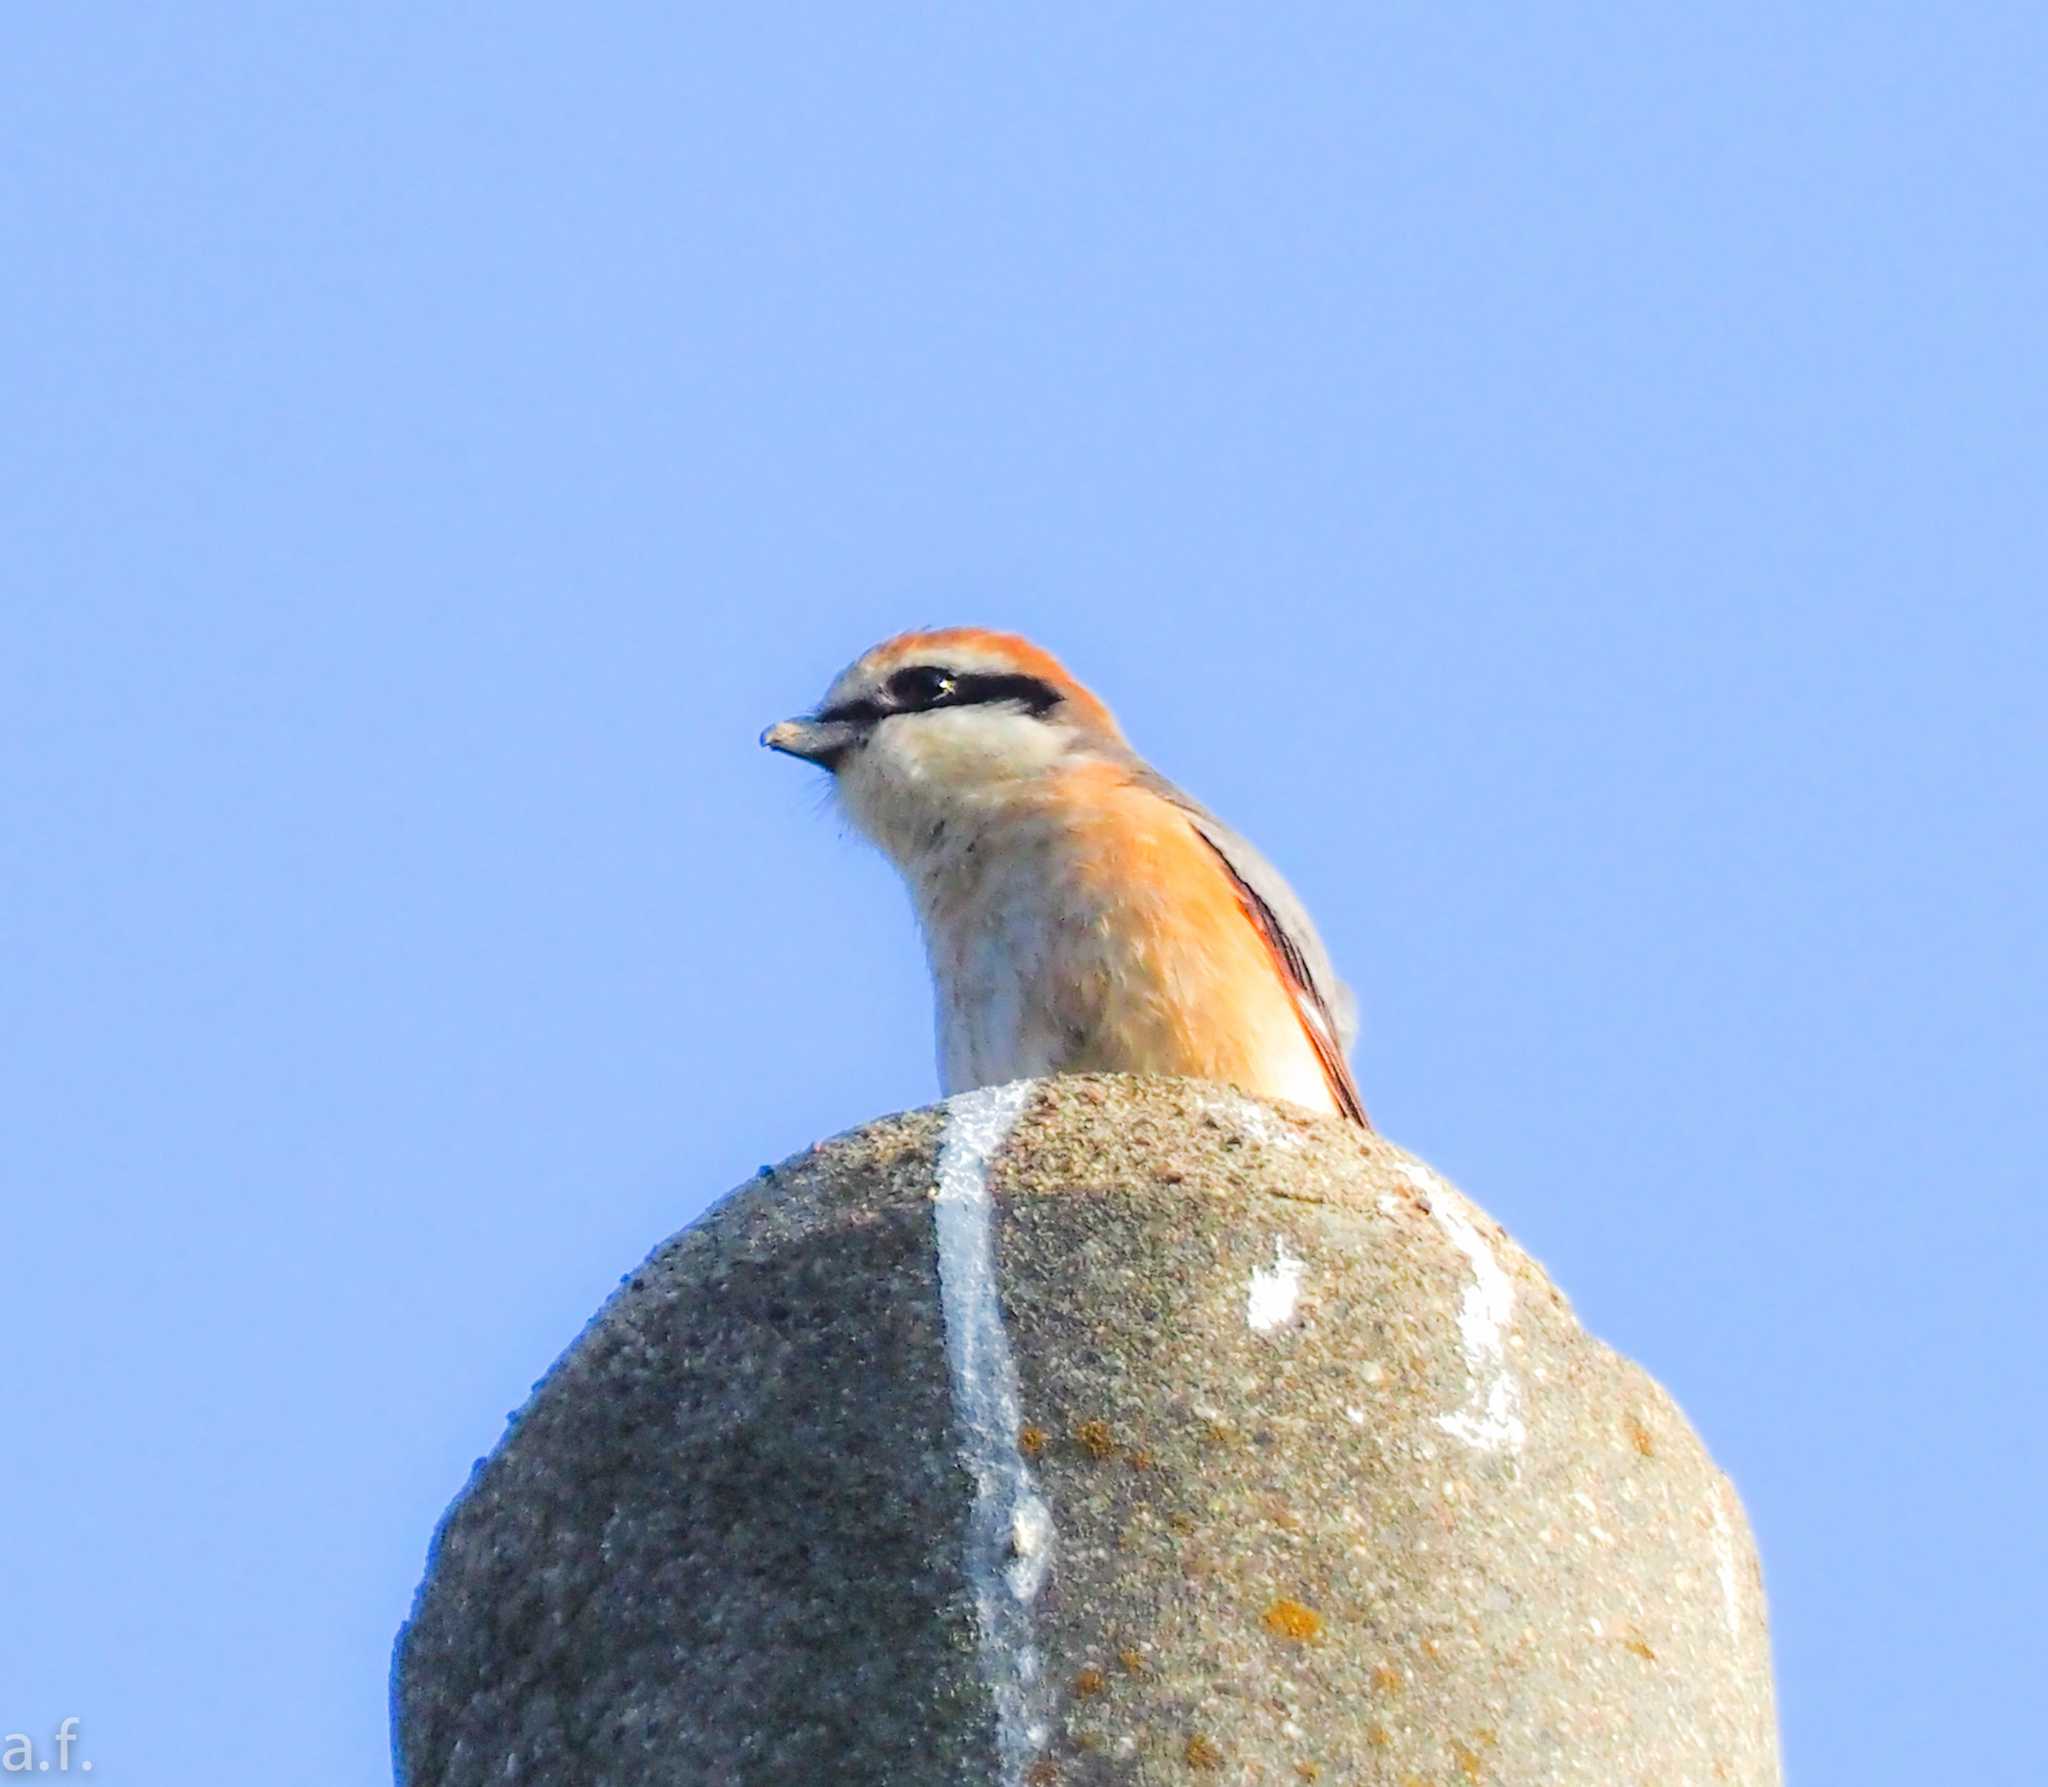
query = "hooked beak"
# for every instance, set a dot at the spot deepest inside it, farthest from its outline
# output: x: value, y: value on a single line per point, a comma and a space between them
x: 822, y: 742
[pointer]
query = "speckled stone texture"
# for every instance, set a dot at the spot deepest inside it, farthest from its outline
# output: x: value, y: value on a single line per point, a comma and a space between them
x: 1339, y: 1491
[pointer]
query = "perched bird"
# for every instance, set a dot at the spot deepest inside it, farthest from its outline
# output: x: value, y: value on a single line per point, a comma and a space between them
x: 1081, y: 914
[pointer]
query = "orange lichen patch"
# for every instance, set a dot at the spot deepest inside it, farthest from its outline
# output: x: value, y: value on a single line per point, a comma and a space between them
x: 1636, y: 1642
x: 1201, y: 1753
x: 1386, y: 1678
x: 1639, y: 1437
x: 1468, y: 1759
x: 1090, y: 1682
x: 1291, y: 1619
x: 1031, y: 1440
x: 1133, y: 1661
x: 1041, y: 1774
x: 1379, y: 1736
x: 1096, y: 1439
x: 1309, y: 1771
x: 1140, y: 1460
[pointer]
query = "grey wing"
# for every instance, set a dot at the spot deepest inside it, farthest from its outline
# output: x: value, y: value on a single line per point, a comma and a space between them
x: 1327, y: 1004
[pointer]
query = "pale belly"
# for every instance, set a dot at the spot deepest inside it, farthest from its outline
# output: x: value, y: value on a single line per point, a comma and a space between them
x: 993, y: 978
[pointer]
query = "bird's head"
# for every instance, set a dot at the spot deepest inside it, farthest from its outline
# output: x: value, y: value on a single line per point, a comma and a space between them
x: 929, y: 726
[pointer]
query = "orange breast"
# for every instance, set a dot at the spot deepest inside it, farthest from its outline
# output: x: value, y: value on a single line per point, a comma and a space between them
x: 1157, y: 967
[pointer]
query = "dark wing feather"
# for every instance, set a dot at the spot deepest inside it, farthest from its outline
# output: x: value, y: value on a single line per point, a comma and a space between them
x: 1329, y: 1014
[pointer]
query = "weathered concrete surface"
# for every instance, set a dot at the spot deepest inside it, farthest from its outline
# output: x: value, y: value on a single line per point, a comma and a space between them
x: 1337, y: 1490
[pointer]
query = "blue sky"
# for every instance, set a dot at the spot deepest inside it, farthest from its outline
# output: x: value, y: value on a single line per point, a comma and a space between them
x: 1567, y: 484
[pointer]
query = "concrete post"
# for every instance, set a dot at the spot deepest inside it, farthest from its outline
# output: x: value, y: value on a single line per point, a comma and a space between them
x: 1091, y: 1431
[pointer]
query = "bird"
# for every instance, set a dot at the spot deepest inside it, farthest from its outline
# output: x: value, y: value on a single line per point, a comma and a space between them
x: 1080, y: 913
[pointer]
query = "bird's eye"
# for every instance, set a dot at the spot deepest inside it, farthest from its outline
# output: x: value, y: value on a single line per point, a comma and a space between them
x: 922, y: 686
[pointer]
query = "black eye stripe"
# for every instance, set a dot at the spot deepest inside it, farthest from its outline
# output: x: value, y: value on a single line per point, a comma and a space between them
x: 1034, y: 696
x: 861, y: 713
x: 922, y: 687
